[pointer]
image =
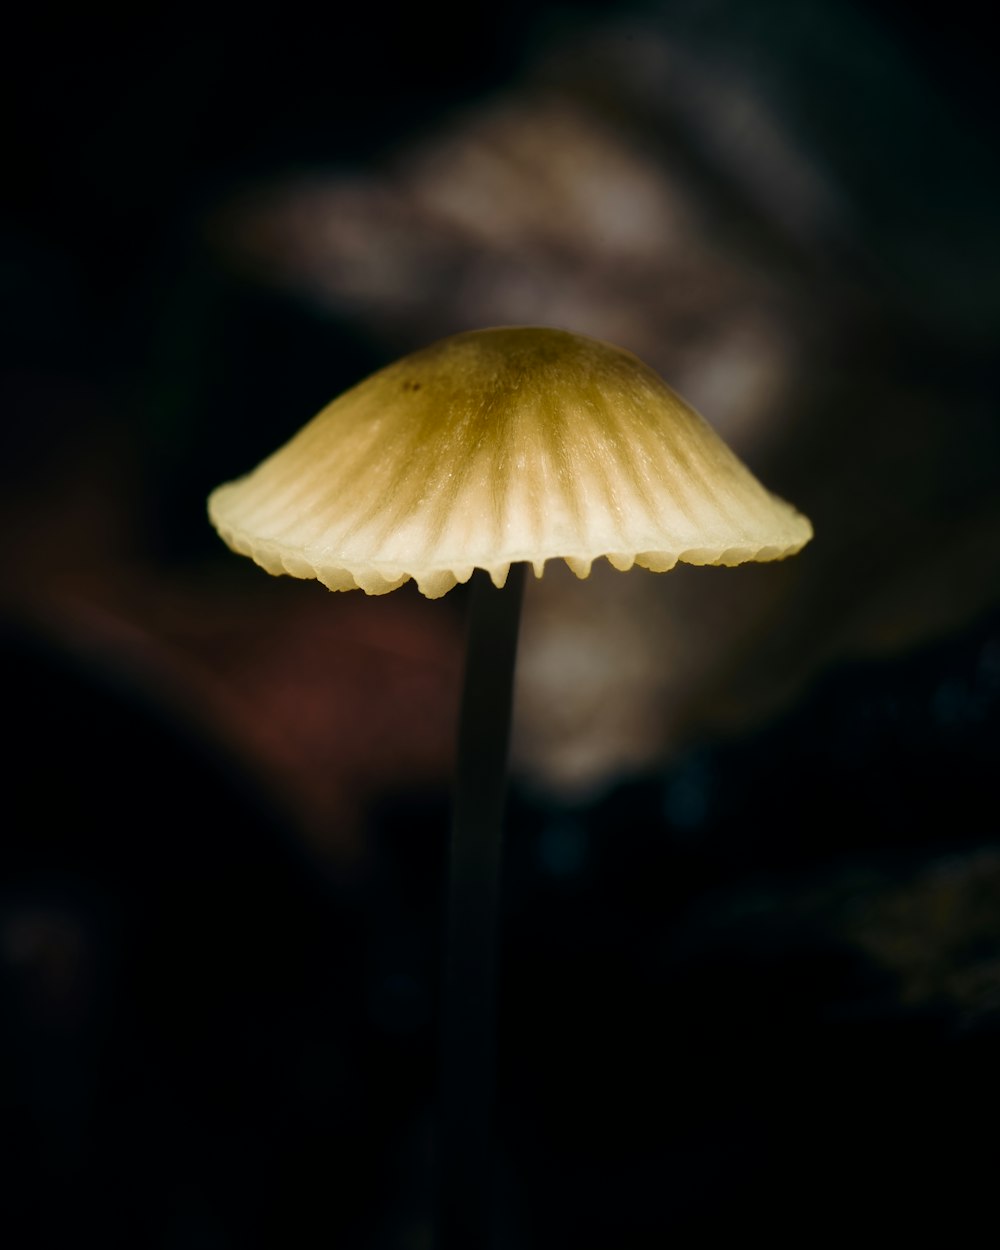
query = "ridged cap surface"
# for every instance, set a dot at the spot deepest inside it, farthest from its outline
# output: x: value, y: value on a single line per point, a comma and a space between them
x: 496, y: 446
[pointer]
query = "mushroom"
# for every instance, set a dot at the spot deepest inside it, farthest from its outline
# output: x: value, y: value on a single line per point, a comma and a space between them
x: 498, y: 447
x: 491, y: 450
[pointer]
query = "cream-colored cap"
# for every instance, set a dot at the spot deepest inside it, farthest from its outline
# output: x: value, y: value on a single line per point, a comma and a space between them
x: 496, y: 446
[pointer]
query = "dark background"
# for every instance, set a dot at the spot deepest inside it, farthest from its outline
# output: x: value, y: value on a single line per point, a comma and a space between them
x: 751, y: 981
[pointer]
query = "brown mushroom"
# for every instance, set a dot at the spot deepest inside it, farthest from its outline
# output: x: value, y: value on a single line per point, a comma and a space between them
x: 495, y: 447
x: 492, y: 450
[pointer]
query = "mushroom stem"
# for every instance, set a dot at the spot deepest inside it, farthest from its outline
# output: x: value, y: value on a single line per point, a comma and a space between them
x: 466, y: 1077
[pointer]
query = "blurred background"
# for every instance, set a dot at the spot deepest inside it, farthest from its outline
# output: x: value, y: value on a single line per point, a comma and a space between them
x: 751, y: 970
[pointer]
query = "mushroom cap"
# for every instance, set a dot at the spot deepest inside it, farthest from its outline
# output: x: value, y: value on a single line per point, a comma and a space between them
x: 502, y: 445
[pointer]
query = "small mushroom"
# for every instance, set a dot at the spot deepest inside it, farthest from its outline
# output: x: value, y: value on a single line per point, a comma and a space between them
x: 492, y: 450
x: 496, y: 447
